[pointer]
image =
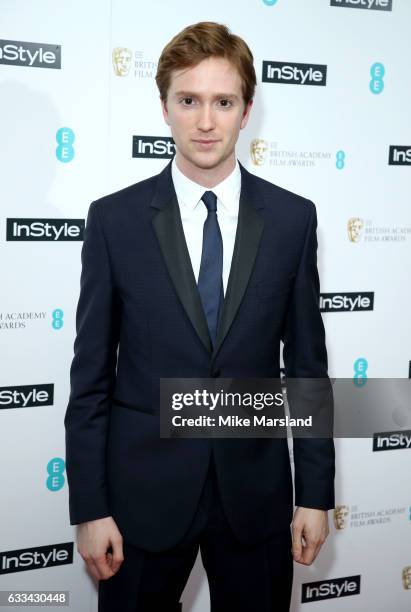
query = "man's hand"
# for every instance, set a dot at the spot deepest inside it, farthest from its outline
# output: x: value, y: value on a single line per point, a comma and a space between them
x: 309, y: 529
x: 93, y: 540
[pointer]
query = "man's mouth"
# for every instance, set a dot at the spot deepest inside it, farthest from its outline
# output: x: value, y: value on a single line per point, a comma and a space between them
x: 205, y: 141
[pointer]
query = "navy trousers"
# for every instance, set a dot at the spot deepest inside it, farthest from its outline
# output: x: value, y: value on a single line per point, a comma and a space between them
x: 240, y: 578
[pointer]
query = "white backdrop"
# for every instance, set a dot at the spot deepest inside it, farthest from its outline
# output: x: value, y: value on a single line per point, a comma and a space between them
x: 328, y: 143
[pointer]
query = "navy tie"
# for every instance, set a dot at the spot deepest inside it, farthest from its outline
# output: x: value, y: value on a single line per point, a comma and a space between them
x: 210, y: 278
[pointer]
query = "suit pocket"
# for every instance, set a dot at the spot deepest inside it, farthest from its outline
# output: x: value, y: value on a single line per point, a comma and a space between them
x: 117, y: 402
x: 271, y: 288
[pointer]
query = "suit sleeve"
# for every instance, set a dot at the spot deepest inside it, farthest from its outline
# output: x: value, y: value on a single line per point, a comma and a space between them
x: 92, y: 376
x: 305, y: 356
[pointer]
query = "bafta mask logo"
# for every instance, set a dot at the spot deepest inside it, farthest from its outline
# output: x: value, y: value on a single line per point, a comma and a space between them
x: 121, y: 60
x: 340, y: 517
x: 406, y: 577
x: 258, y: 150
x: 354, y: 228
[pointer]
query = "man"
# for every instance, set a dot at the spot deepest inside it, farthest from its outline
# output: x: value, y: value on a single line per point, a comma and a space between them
x: 199, y: 271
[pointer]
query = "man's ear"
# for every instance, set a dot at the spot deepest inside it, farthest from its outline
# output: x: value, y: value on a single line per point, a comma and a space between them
x: 246, y: 114
x: 164, y: 109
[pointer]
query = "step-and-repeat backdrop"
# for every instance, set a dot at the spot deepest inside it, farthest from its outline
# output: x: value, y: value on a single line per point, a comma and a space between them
x: 79, y: 118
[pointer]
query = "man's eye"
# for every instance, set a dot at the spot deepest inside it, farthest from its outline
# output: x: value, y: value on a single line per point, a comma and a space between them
x: 188, y: 101
x: 225, y: 103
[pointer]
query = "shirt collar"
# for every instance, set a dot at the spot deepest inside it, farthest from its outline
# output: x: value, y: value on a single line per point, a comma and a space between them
x: 189, y: 193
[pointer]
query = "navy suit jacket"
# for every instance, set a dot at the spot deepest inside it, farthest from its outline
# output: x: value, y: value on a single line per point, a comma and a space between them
x: 139, y: 318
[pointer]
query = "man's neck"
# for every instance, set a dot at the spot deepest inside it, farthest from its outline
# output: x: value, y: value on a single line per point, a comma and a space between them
x: 207, y: 177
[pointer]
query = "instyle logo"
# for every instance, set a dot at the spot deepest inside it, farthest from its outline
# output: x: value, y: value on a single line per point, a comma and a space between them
x: 38, y: 557
x: 346, y: 302
x: 45, y: 229
x: 153, y: 147
x: 399, y: 155
x: 376, y: 5
x: 26, y: 396
x: 391, y: 440
x: 330, y: 589
x: 292, y: 73
x: 33, y: 55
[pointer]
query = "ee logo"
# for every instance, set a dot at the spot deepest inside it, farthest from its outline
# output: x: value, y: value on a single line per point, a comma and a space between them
x: 270, y: 2
x: 55, y: 468
x: 340, y: 160
x: 377, y: 72
x: 360, y: 371
x: 57, y: 316
x: 65, y: 138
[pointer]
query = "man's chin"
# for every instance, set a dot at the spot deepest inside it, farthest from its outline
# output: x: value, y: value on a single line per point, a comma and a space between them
x: 206, y: 161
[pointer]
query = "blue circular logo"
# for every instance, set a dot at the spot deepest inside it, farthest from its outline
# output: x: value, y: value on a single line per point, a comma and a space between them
x: 65, y: 150
x: 377, y: 72
x: 340, y: 160
x: 55, y: 468
x: 360, y: 371
x: 57, y: 316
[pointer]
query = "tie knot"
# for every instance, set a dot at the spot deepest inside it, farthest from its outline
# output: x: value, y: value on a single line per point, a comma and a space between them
x: 210, y: 200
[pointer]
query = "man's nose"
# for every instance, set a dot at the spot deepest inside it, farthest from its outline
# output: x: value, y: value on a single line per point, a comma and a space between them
x: 206, y: 121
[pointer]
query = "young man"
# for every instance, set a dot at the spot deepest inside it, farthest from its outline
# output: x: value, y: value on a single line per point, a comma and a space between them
x: 199, y: 271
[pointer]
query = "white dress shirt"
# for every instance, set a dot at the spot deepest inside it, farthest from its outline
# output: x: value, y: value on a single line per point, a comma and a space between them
x: 194, y: 212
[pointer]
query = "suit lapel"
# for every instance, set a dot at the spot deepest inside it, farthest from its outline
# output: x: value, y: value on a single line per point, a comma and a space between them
x: 170, y: 235
x: 250, y: 227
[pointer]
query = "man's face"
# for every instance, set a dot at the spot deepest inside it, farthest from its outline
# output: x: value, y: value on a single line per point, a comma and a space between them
x: 206, y: 111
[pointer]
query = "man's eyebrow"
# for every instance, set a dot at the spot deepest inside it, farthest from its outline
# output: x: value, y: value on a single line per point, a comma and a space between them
x: 191, y: 94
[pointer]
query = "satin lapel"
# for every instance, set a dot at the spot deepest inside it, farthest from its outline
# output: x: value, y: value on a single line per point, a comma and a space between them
x: 170, y: 235
x: 248, y: 235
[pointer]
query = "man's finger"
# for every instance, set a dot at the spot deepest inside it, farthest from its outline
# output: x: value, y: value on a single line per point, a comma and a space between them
x: 117, y: 557
x: 310, y: 552
x: 92, y: 568
x: 297, y: 542
x: 102, y: 567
